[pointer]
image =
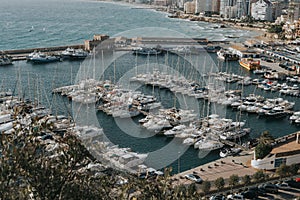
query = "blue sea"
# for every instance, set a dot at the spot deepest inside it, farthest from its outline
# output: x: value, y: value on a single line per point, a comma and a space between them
x: 35, y: 23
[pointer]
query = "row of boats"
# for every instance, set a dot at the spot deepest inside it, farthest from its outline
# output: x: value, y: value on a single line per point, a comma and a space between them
x: 179, y: 50
x: 69, y: 53
x: 205, y: 134
x: 265, y: 84
x: 274, y: 108
x: 16, y: 113
x: 247, y: 63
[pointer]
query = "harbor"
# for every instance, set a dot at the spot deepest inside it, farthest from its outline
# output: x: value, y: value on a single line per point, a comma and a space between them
x: 159, y: 81
x: 109, y: 100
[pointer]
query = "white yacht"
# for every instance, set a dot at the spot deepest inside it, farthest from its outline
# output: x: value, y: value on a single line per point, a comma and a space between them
x: 39, y: 57
x: 295, y: 116
x: 224, y: 152
x: 175, y: 130
x: 210, y: 145
x: 232, y: 135
x: 72, y: 53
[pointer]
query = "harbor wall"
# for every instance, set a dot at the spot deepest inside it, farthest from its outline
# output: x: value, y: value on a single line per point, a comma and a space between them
x: 42, y: 49
x: 20, y: 54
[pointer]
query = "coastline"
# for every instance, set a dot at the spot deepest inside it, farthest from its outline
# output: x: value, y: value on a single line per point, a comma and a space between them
x: 190, y: 17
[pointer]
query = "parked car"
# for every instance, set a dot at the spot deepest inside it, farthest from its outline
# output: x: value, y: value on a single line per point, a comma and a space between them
x: 268, y: 187
x: 217, y: 197
x: 193, y: 177
x: 293, y: 183
x: 235, y: 197
x: 283, y: 186
x: 250, y: 194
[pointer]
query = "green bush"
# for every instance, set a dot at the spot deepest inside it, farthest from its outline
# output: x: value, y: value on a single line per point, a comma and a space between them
x: 261, y: 150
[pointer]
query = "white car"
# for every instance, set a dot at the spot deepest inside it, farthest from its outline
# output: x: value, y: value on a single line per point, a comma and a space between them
x: 235, y: 197
x: 193, y: 177
x: 283, y: 186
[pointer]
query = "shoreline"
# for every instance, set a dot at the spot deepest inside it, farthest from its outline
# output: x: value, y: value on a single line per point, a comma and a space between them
x: 191, y: 17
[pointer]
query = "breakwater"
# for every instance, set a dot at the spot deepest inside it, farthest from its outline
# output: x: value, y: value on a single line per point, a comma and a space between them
x: 20, y: 54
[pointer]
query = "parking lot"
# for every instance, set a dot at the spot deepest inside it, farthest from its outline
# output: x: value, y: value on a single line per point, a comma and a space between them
x: 280, y: 194
x: 283, y: 194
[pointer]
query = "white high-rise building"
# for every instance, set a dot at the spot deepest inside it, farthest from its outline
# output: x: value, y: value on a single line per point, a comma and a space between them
x: 243, y: 8
x: 222, y: 7
x: 262, y: 10
x: 200, y: 6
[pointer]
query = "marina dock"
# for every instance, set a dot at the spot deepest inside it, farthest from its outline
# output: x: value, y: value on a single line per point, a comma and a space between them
x: 117, y: 44
x: 20, y: 54
x: 240, y: 164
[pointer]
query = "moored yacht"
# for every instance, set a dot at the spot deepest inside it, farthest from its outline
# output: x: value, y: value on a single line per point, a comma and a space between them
x: 43, y: 58
x: 250, y: 64
x: 224, y: 152
x: 227, y: 56
x: 147, y: 51
x: 72, y: 53
x: 295, y: 116
x: 210, y: 145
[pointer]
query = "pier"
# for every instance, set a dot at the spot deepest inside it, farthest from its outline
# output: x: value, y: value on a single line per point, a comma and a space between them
x: 118, y: 44
x: 20, y: 54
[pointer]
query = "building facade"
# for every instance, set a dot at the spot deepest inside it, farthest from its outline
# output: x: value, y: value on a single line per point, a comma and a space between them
x: 189, y: 7
x: 262, y: 10
x: 293, y: 11
x: 215, y: 7
x: 288, y: 154
x: 200, y: 6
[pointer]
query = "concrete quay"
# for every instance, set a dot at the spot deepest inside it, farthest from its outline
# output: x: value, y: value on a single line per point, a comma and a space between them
x: 223, y: 167
x: 239, y: 164
x: 20, y: 54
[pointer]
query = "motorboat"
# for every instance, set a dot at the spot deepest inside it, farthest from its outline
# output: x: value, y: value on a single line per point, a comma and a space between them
x: 276, y: 113
x: 250, y: 64
x: 232, y: 135
x: 210, y: 145
x: 175, y: 130
x: 227, y: 56
x: 43, y: 58
x: 224, y: 152
x: 71, y: 53
x: 295, y: 116
x: 147, y: 51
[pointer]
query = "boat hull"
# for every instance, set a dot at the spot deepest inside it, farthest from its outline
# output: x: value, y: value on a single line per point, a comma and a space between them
x: 250, y: 64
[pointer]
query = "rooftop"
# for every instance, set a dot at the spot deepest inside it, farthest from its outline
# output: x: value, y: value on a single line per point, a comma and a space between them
x: 289, y: 146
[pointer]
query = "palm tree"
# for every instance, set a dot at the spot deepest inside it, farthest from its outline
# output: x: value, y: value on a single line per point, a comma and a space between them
x: 266, y: 138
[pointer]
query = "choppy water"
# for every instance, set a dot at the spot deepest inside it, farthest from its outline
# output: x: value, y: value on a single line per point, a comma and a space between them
x: 34, y: 23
